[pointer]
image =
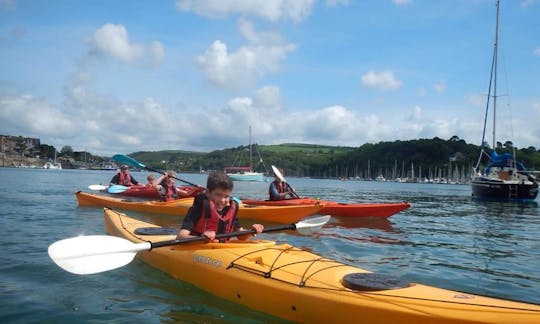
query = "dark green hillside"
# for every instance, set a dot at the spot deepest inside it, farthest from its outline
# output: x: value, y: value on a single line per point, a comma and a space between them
x: 426, y: 157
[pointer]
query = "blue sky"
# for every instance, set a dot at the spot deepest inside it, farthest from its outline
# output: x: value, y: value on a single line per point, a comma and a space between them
x: 122, y: 76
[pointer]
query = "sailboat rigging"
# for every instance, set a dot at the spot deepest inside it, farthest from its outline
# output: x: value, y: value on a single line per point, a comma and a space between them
x: 245, y: 173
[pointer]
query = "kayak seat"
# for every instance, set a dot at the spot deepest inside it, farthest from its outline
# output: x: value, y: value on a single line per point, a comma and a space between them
x: 156, y: 231
x: 372, y: 282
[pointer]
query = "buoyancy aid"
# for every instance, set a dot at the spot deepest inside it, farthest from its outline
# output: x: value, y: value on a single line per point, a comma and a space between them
x: 171, y: 193
x: 124, y: 179
x: 210, y: 218
x: 281, y: 187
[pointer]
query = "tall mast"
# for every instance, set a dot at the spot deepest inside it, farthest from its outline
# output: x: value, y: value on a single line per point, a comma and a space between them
x: 250, y: 159
x: 495, y: 72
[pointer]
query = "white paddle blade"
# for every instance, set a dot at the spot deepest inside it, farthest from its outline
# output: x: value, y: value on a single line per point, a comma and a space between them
x: 97, y: 187
x: 278, y: 173
x: 312, y: 225
x: 95, y: 253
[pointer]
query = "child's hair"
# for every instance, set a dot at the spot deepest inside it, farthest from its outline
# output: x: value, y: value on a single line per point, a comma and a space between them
x: 218, y: 179
x: 150, y: 177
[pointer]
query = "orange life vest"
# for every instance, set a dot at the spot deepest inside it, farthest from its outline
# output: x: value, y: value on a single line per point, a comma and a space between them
x: 210, y: 218
x: 124, y: 179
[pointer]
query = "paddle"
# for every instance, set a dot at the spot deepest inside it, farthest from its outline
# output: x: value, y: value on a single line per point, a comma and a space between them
x: 98, y: 253
x: 124, y: 159
x: 117, y: 189
x: 282, y: 178
x: 97, y: 187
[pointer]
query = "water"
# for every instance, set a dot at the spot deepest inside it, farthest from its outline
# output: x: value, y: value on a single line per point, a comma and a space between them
x: 445, y: 239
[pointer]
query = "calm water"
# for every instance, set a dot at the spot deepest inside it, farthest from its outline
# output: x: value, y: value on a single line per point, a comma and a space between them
x: 445, y: 239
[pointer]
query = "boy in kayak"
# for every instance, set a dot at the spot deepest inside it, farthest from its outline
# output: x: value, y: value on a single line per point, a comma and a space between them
x: 214, y: 211
x: 123, y: 177
x: 278, y: 189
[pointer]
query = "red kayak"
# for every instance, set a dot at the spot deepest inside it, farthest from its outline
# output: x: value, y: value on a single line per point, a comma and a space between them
x: 152, y: 193
x: 339, y: 209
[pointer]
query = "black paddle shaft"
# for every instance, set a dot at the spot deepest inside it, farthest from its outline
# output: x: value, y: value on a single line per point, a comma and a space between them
x: 161, y: 172
x: 221, y: 236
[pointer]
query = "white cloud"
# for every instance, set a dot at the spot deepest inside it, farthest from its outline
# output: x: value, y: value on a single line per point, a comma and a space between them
x: 526, y: 3
x: 477, y: 100
x: 113, y: 41
x: 384, y: 80
x: 258, y: 37
x: 273, y: 10
x: 537, y: 52
x: 401, y: 2
x: 335, y: 3
x: 19, y: 115
x: 106, y: 125
x: 439, y: 87
x: 245, y: 66
x: 9, y: 4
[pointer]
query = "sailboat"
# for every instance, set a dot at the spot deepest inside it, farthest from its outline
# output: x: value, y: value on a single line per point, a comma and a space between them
x: 503, y: 178
x: 53, y: 165
x: 245, y: 173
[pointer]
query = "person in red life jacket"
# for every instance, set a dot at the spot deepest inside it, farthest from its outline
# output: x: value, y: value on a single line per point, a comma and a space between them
x: 167, y: 186
x: 214, y: 211
x: 123, y: 177
x: 279, y: 190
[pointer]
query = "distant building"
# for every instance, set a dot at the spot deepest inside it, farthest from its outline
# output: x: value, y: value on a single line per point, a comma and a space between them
x: 18, y: 145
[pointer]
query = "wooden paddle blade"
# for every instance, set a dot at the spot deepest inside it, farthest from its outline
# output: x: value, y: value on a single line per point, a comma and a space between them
x: 95, y: 253
x: 97, y: 187
x: 312, y: 225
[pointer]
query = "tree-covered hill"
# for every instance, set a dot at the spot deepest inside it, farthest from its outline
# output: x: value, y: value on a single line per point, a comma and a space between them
x: 425, y: 157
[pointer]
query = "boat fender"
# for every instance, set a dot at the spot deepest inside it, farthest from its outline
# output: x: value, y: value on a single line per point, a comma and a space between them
x: 372, y: 282
x: 156, y: 231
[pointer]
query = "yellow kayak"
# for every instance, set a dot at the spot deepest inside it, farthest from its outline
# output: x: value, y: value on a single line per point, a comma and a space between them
x: 297, y: 285
x: 179, y: 207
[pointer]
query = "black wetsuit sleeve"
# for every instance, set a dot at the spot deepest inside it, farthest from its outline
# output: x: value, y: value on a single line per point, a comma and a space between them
x: 194, y: 212
x: 135, y: 182
x: 114, y: 179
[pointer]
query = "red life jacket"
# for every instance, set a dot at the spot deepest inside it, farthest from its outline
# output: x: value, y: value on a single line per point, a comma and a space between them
x: 171, y: 192
x: 124, y: 179
x: 281, y: 188
x: 210, y: 218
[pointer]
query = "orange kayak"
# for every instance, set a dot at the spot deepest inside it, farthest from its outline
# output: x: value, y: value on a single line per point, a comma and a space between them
x: 179, y: 207
x: 339, y: 209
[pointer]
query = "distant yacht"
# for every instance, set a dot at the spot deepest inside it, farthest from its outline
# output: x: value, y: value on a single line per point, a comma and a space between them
x: 245, y: 173
x: 53, y: 165
x: 503, y: 178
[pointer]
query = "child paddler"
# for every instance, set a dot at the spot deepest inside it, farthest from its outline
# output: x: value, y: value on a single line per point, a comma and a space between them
x: 214, y: 211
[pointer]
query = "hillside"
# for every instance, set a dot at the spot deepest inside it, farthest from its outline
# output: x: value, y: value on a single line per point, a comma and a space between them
x: 427, y: 157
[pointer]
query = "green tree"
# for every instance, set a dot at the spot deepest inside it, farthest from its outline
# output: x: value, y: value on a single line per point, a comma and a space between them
x: 66, y: 151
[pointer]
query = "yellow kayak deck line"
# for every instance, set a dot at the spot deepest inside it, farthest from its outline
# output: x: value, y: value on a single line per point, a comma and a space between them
x: 298, y: 285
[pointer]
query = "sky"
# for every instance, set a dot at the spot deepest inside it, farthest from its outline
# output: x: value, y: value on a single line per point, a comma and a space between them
x: 123, y: 76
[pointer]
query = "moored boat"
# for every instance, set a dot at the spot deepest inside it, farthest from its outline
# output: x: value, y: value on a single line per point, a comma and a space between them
x: 337, y: 209
x: 503, y: 178
x: 179, y: 207
x: 300, y: 286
